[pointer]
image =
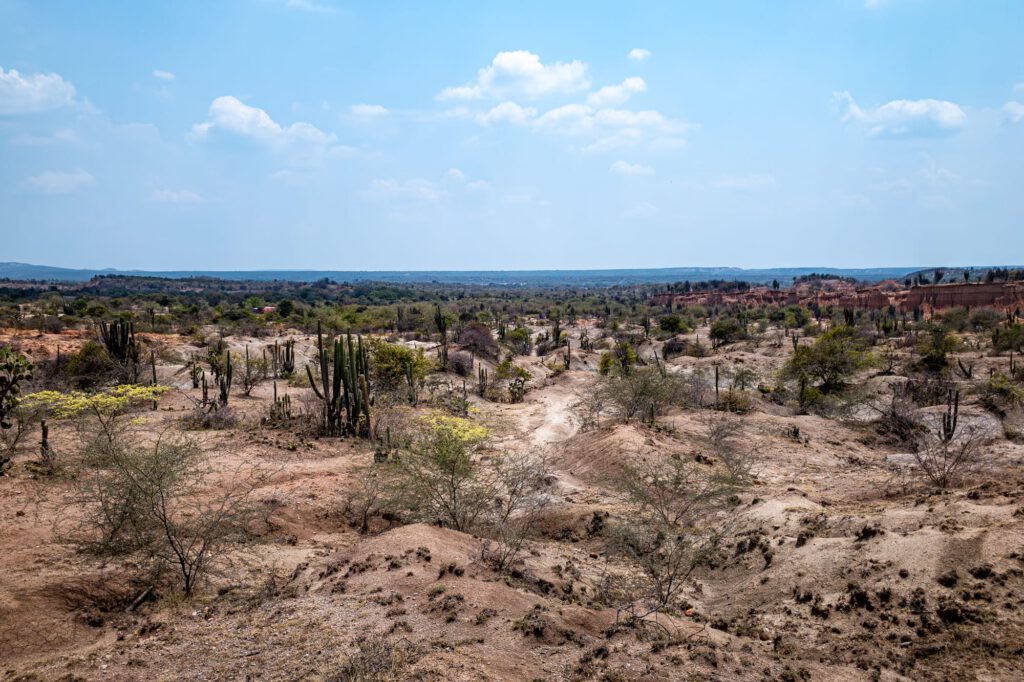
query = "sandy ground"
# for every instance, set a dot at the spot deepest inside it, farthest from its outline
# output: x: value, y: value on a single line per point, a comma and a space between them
x: 835, y: 572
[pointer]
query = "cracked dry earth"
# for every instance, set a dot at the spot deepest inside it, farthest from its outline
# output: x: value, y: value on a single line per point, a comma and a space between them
x: 841, y: 567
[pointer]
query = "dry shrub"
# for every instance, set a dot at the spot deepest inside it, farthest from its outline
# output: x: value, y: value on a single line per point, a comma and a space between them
x: 461, y: 363
x: 141, y: 498
x: 950, y: 452
x: 676, y: 519
x: 377, y: 659
x: 726, y: 435
x: 203, y: 418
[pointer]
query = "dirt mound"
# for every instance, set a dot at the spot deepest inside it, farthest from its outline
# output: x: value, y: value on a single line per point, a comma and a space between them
x: 597, y: 456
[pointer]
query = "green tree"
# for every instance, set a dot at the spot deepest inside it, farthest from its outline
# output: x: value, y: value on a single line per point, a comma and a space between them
x: 14, y: 369
x: 829, y: 361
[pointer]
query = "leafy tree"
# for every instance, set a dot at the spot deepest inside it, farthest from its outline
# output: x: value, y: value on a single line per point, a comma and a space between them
x: 14, y: 369
x: 519, y: 340
x: 726, y: 330
x: 391, y: 365
x: 672, y: 324
x: 937, y: 344
x: 829, y: 361
x: 285, y: 308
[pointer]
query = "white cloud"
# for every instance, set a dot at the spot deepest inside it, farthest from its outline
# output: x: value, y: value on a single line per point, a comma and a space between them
x: 33, y: 93
x: 59, y: 182
x: 171, y: 196
x: 368, y: 110
x: 613, y: 128
x: 60, y: 136
x: 645, y: 210
x: 390, y: 189
x: 638, y: 54
x: 626, y: 168
x: 579, y: 118
x: 310, y: 6
x: 454, y: 175
x: 508, y: 112
x: 904, y: 118
x: 521, y: 74
x: 229, y: 114
x: 1014, y: 111
x: 745, y: 183
x: 612, y: 95
x: 478, y: 186
x: 930, y: 179
x: 163, y: 75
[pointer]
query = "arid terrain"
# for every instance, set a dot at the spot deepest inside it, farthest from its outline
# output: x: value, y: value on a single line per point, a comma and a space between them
x: 838, y: 561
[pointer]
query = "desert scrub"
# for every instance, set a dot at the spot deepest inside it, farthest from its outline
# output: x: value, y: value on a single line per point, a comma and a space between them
x: 441, y: 426
x: 109, y: 402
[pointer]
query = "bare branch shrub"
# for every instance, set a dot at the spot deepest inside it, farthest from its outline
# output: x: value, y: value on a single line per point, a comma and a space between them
x: 949, y: 452
x: 521, y: 498
x: 642, y: 393
x: 441, y: 478
x: 944, y: 463
x: 725, y: 434
x: 142, y: 497
x: 674, y: 525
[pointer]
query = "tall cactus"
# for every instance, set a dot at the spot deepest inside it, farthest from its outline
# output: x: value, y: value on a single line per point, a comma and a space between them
x: 441, y: 322
x: 224, y: 381
x: 949, y: 420
x: 344, y: 385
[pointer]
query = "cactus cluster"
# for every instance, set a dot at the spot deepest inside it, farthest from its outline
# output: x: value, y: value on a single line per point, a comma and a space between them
x: 118, y: 338
x: 481, y: 386
x: 281, y: 408
x: 344, y: 385
x: 283, y: 358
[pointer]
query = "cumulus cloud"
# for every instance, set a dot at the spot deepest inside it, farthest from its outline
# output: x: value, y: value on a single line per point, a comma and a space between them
x: 521, y: 73
x: 1014, y: 112
x: 507, y: 112
x: 638, y: 54
x: 453, y: 183
x: 171, y: 196
x: 59, y: 182
x: 744, y: 183
x: 612, y: 95
x: 368, y: 110
x: 904, y: 118
x: 29, y: 94
x: 230, y: 115
x: 612, y: 129
x: 163, y: 75
x: 626, y: 168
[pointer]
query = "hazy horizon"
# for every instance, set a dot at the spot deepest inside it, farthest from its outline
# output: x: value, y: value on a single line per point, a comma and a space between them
x: 331, y: 135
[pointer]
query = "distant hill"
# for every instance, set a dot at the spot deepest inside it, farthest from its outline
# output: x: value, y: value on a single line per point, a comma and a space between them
x: 595, y: 278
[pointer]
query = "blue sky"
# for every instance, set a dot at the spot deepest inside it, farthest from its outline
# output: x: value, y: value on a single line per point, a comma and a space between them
x: 483, y: 135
